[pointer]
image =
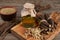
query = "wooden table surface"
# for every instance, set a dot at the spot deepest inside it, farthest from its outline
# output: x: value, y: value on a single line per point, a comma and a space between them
x: 19, y: 3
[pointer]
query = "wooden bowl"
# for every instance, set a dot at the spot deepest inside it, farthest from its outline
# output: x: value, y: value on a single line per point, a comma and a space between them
x: 8, y: 13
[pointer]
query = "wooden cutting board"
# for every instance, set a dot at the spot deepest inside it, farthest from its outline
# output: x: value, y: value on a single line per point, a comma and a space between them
x: 19, y: 31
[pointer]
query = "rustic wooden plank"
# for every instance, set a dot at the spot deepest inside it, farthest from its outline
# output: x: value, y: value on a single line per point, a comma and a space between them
x: 19, y: 31
x: 16, y: 30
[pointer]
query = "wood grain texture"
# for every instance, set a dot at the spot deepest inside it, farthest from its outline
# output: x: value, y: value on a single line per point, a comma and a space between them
x: 19, y: 31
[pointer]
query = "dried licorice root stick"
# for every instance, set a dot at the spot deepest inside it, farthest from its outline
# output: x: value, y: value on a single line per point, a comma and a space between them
x: 8, y: 27
x: 2, y: 37
x: 39, y: 8
x: 40, y: 15
x: 4, y: 32
x: 2, y: 27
